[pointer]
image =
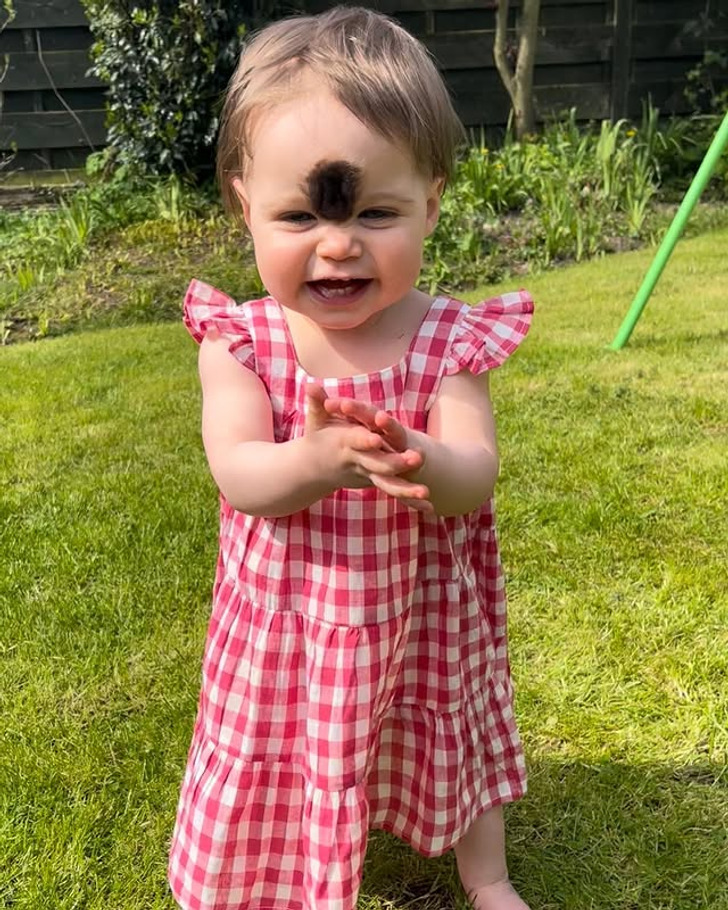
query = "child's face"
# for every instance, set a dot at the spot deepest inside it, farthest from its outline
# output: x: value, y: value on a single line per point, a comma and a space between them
x: 338, y: 214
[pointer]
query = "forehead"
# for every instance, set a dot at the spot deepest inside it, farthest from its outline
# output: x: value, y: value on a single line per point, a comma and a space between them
x: 333, y: 187
x: 289, y: 140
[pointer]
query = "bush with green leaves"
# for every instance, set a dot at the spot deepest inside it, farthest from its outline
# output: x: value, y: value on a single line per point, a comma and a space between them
x: 167, y: 63
x: 569, y: 193
x: 687, y: 139
x: 707, y: 88
x: 37, y: 247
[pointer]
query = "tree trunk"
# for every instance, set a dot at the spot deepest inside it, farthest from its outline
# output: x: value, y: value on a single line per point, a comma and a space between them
x: 517, y: 75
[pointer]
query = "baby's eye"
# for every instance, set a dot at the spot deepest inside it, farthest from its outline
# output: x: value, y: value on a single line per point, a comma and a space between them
x: 377, y: 214
x: 300, y: 218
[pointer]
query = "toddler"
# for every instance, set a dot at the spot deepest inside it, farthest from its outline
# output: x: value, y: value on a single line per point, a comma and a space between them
x: 355, y: 674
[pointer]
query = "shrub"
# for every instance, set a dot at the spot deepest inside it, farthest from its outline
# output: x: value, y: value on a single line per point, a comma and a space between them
x: 570, y: 193
x: 687, y: 139
x: 167, y: 63
x: 707, y: 88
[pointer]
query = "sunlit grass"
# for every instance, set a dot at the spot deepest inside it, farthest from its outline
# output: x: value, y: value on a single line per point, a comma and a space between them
x: 613, y: 519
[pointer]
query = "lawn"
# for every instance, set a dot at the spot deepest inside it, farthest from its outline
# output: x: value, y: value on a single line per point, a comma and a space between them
x: 613, y: 518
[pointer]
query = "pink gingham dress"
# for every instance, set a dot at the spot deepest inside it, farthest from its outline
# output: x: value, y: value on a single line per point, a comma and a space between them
x: 355, y: 674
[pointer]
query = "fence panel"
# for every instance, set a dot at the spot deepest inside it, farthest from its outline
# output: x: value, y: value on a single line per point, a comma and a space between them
x: 51, y: 111
x: 602, y: 57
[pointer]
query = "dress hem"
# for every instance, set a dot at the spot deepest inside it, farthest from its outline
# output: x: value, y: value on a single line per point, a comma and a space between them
x: 483, y: 807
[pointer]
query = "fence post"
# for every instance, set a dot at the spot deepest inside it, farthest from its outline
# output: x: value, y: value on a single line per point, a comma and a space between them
x: 621, y: 58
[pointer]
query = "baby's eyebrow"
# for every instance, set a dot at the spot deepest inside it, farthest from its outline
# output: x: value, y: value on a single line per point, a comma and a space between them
x: 290, y: 202
x: 382, y: 197
x: 332, y: 188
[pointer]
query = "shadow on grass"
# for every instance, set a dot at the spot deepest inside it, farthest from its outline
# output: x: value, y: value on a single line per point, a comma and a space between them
x: 608, y: 836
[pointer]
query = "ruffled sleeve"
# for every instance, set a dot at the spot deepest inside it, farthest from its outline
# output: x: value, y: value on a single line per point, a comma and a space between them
x: 206, y: 307
x: 489, y: 333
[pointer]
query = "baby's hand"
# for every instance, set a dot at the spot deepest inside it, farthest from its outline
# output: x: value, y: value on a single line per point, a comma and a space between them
x: 373, y: 452
x: 394, y: 438
x: 374, y: 419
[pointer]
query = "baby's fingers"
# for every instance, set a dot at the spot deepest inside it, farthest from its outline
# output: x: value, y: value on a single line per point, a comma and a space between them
x: 382, y: 460
x: 391, y: 430
x: 355, y: 411
x: 414, y: 495
x: 375, y: 419
x: 316, y: 416
x: 364, y: 445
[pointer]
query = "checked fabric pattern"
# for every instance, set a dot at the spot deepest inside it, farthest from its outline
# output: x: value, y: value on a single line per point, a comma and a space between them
x: 355, y: 673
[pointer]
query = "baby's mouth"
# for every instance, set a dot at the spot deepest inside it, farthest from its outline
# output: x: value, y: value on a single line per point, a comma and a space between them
x: 332, y: 288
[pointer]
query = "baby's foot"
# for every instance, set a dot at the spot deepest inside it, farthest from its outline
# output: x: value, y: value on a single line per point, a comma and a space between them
x: 496, y: 896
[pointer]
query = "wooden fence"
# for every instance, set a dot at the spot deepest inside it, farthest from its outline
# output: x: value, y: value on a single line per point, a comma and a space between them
x: 602, y: 57
x: 51, y: 111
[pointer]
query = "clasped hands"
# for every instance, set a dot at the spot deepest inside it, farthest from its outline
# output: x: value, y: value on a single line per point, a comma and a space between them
x: 371, y: 445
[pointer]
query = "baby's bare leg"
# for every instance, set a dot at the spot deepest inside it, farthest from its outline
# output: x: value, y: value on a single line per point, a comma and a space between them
x: 481, y: 859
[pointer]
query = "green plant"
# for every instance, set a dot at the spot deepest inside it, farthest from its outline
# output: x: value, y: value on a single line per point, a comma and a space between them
x: 454, y: 251
x: 35, y: 247
x: 682, y: 144
x: 681, y: 150
x: 76, y: 225
x: 707, y: 83
x: 575, y: 190
x: 167, y: 63
x: 496, y: 182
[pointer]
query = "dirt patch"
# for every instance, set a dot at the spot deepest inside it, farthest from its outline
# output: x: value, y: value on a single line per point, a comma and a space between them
x: 17, y: 198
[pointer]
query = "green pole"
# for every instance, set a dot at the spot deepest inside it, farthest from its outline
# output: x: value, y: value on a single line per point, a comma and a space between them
x: 672, y: 235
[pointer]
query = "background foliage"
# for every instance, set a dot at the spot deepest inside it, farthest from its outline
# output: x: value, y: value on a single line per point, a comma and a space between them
x: 167, y: 63
x: 120, y: 250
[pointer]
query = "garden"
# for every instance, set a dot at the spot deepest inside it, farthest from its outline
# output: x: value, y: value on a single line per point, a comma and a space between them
x: 612, y: 510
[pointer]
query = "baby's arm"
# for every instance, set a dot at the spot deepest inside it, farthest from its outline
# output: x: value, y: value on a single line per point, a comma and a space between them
x: 261, y: 477
x: 459, y: 450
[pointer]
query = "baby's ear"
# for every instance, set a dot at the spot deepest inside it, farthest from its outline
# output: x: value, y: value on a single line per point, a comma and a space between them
x: 433, y: 203
x: 240, y: 192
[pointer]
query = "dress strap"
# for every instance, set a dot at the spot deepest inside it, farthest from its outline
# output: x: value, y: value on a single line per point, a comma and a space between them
x: 429, y: 352
x: 273, y: 347
x: 276, y: 360
x: 438, y: 327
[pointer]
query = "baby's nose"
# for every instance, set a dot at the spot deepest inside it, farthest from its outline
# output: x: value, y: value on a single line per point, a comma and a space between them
x: 338, y: 241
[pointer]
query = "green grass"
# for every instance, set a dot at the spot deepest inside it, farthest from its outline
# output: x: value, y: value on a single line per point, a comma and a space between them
x: 612, y: 509
x: 111, y: 252
x: 111, y: 255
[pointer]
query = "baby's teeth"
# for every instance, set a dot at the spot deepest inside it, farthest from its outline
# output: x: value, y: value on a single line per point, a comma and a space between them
x: 337, y: 291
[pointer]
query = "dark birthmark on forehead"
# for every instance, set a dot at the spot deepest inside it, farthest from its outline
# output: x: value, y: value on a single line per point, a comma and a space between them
x: 332, y: 189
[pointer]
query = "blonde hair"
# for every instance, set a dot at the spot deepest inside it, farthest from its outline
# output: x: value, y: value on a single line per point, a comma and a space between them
x: 371, y: 65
